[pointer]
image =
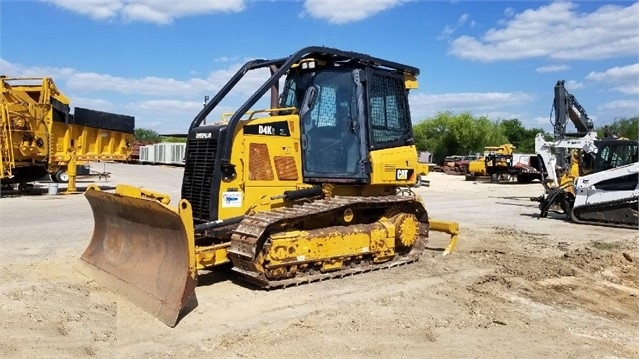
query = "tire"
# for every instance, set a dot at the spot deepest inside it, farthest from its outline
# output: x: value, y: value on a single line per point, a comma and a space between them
x: 468, y: 176
x: 62, y: 176
x: 53, y: 177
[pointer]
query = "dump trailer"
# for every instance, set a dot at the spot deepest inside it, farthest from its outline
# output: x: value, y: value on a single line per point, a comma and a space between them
x: 40, y: 135
x: 317, y: 186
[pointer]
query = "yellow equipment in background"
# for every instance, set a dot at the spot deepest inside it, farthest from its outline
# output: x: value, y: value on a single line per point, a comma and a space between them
x: 421, y: 170
x: 39, y: 135
x: 495, y: 163
x: 315, y: 187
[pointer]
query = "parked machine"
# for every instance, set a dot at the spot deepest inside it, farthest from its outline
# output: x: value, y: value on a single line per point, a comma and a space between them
x: 568, y: 110
x: 39, y: 134
x: 500, y: 164
x: 496, y: 163
x: 601, y: 184
x: 591, y: 180
x: 315, y: 187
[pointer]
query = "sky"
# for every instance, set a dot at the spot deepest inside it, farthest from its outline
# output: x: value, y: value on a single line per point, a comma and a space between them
x: 156, y: 60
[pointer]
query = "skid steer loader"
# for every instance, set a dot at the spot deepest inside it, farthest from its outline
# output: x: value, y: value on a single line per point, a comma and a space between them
x: 600, y: 185
x: 315, y: 187
x: 592, y: 180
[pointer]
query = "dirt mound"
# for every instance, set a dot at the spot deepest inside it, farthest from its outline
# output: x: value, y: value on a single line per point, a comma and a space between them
x: 601, y: 281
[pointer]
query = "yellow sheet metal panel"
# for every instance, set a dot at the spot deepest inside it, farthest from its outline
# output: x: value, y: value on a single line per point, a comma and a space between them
x: 210, y: 256
x: 37, y: 127
x: 267, y: 154
x: 331, y: 243
x: 394, y: 166
x: 89, y: 144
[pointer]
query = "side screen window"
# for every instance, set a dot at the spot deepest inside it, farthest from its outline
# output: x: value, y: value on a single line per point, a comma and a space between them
x: 323, y: 114
x: 389, y: 116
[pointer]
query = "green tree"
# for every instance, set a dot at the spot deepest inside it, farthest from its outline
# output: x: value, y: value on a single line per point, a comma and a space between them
x: 147, y: 135
x: 522, y: 138
x: 174, y: 139
x: 623, y: 127
x: 456, y: 134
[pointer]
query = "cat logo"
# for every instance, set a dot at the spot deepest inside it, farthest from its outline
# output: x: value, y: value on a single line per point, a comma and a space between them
x: 402, y: 175
x: 266, y: 130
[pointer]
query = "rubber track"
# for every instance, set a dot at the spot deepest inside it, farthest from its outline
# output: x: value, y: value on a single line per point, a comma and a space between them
x: 603, y: 208
x: 247, y: 240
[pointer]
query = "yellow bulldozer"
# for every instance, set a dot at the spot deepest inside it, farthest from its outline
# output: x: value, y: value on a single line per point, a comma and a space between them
x: 317, y: 186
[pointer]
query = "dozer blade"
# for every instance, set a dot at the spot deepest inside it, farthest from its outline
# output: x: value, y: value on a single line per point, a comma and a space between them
x: 143, y: 250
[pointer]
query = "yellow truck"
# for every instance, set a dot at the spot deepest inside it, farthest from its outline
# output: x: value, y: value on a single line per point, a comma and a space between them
x: 39, y: 135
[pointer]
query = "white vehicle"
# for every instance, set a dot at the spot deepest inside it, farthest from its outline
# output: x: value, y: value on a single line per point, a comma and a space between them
x: 608, y: 197
x: 593, y: 181
x: 601, y: 184
x: 547, y: 152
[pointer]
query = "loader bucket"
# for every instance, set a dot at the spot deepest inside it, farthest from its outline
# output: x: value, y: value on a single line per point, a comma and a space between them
x: 143, y: 250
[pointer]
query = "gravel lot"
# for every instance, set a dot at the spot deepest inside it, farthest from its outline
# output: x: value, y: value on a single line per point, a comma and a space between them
x: 517, y: 287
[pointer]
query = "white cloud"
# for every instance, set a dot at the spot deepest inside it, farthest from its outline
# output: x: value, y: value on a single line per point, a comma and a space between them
x: 93, y: 82
x: 557, y: 31
x: 154, y: 11
x: 574, y: 85
x: 619, y: 109
x: 539, y: 121
x: 16, y: 70
x: 168, y: 99
x: 620, y: 105
x: 166, y: 11
x: 166, y: 108
x: 490, y: 104
x: 87, y: 82
x: 552, y: 68
x: 449, y: 30
x: 95, y: 104
x: 342, y: 12
x: 624, y: 79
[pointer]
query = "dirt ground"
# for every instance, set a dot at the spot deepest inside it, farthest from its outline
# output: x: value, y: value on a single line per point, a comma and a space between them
x: 516, y: 287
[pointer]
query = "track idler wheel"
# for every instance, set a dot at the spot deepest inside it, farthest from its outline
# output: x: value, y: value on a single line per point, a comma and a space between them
x: 406, y: 230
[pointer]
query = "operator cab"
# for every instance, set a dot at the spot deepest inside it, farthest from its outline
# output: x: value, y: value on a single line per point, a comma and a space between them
x: 613, y: 153
x: 345, y: 112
